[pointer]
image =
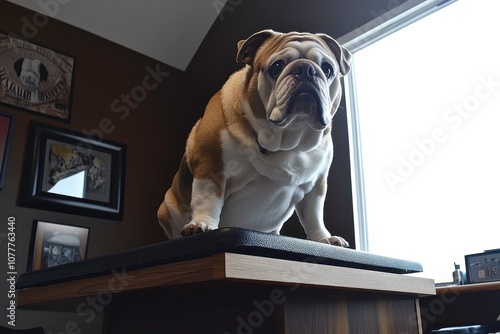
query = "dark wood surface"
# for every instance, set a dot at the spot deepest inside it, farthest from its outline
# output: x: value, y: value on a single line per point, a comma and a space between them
x: 319, y: 311
x: 231, y: 308
x: 233, y: 293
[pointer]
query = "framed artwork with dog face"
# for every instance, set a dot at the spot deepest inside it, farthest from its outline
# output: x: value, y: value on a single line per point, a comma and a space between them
x: 54, y: 244
x: 68, y: 172
x: 35, y: 78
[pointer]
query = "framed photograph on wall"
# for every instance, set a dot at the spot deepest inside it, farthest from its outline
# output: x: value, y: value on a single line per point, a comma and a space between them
x: 6, y: 129
x: 54, y: 244
x: 35, y: 78
x: 68, y: 172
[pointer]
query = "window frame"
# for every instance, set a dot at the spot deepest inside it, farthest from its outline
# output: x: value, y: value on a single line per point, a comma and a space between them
x: 383, y: 25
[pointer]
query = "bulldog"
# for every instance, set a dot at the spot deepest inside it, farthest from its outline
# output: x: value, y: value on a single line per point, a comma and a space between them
x: 263, y: 147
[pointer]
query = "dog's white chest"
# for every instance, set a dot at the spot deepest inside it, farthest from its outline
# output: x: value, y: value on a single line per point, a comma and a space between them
x: 259, y: 204
x: 262, y: 190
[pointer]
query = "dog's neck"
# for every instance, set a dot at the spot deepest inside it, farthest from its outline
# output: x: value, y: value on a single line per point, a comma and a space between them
x: 273, y: 140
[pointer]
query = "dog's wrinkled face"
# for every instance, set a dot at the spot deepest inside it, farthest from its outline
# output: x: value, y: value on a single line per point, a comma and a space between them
x: 298, y: 84
x: 298, y: 77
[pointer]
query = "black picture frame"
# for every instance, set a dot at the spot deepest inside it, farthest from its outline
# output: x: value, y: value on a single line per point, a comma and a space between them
x: 6, y: 130
x: 35, y: 78
x: 69, y: 172
x: 53, y: 244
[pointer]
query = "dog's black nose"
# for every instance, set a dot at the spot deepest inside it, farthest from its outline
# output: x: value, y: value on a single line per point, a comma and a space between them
x: 304, y: 70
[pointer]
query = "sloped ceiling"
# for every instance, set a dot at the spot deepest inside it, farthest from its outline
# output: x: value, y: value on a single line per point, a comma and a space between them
x: 168, y: 31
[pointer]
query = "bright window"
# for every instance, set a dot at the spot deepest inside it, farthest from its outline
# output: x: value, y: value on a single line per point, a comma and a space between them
x: 425, y: 128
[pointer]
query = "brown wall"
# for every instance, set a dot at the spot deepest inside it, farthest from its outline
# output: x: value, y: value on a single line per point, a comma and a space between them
x: 154, y: 133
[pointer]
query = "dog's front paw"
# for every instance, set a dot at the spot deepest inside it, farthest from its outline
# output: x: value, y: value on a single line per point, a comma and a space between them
x: 335, y: 240
x: 196, y: 227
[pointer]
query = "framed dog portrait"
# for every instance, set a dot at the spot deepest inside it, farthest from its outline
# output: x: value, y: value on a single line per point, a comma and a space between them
x: 68, y: 172
x: 6, y: 129
x: 35, y: 78
x: 54, y: 244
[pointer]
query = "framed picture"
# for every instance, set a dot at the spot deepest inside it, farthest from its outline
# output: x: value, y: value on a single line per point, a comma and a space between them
x: 35, y: 78
x: 55, y: 244
x: 6, y: 129
x: 68, y: 172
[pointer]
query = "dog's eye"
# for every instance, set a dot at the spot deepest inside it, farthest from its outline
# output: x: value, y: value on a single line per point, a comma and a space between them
x: 276, y: 68
x: 327, y: 69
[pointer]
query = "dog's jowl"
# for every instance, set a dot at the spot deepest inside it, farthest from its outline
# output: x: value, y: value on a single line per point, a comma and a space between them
x: 263, y: 148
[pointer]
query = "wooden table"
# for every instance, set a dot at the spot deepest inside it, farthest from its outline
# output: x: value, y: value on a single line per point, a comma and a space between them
x: 462, y: 305
x: 230, y: 293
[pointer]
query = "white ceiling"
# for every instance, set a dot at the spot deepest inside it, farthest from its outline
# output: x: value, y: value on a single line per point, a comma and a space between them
x: 169, y: 31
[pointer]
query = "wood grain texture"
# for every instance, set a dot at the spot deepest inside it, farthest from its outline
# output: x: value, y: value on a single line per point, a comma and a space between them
x: 233, y: 293
x: 228, y: 266
x: 458, y: 289
x: 312, y: 272
x: 122, y: 281
x: 315, y: 311
x: 238, y: 307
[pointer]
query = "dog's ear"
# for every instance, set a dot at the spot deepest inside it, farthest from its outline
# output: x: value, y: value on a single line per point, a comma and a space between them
x: 342, y: 55
x: 248, y: 48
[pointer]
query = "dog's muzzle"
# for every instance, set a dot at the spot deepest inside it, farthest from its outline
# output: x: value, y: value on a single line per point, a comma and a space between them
x: 301, y: 95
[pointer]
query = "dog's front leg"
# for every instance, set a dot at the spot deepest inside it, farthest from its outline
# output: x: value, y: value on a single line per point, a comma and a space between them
x: 310, y: 213
x: 206, y: 204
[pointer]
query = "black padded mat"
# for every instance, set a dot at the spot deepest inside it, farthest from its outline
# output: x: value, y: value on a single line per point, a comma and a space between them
x: 234, y: 240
